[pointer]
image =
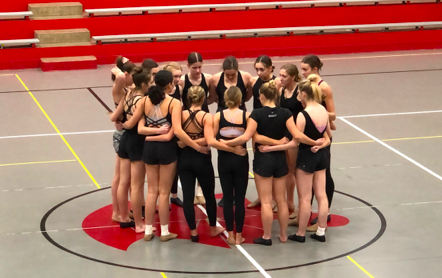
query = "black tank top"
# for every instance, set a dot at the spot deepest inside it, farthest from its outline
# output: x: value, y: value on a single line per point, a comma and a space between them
x: 186, y: 88
x: 310, y: 130
x: 292, y: 104
x: 221, y: 88
x: 176, y: 94
x: 256, y: 103
x: 223, y: 123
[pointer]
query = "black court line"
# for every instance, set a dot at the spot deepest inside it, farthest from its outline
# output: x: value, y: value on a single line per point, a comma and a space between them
x: 327, y: 75
x: 53, y: 242
x: 99, y: 100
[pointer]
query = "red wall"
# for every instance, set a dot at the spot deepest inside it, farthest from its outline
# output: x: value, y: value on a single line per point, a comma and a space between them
x: 241, y: 48
x: 163, y: 23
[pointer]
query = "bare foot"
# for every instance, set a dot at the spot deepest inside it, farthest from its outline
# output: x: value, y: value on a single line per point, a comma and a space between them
x: 254, y: 204
x: 116, y: 218
x: 140, y: 229
x: 239, y: 239
x: 216, y: 231
x: 282, y: 238
x: 231, y: 240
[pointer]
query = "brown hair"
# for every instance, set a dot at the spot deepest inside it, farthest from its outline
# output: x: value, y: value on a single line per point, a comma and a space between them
x: 265, y: 60
x: 194, y: 57
x: 230, y: 63
x: 293, y: 71
x: 196, y: 95
x: 269, y: 91
x: 311, y: 88
x: 313, y: 61
x: 233, y: 97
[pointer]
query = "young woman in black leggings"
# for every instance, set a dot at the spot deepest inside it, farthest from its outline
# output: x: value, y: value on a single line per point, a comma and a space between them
x: 271, y: 168
x: 233, y: 169
x: 192, y: 165
x: 311, y: 64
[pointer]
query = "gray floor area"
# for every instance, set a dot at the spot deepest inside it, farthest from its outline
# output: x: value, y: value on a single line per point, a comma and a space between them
x: 40, y: 172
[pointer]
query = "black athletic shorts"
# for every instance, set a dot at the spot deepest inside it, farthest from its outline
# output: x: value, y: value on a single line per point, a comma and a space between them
x: 131, y: 146
x: 311, y: 162
x: 271, y: 164
x: 160, y: 153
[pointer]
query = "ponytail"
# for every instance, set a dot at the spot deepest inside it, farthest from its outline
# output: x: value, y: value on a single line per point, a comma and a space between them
x: 311, y: 88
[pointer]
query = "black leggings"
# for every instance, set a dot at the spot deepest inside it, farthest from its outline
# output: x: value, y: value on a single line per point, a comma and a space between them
x: 234, y: 176
x: 174, y: 189
x: 193, y: 165
x: 329, y: 183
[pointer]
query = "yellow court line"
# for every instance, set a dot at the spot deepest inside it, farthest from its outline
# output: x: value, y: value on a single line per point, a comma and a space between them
x: 37, y: 162
x: 59, y: 133
x: 252, y: 175
x: 412, y: 138
x: 360, y: 267
x: 164, y: 275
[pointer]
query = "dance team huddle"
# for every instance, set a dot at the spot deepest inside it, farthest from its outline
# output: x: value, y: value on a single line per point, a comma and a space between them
x: 165, y: 132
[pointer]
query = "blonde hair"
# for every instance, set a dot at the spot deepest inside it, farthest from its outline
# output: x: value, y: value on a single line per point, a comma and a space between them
x: 233, y: 97
x: 311, y: 88
x: 196, y: 95
x: 172, y: 66
x: 269, y: 91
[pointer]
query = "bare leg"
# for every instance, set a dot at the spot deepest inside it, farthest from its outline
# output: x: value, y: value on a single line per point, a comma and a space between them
x: 136, y: 194
x: 264, y: 186
x: 114, y: 191
x: 167, y: 174
x: 279, y: 189
x: 123, y: 190
x: 305, y: 195
x: 291, y: 182
x: 321, y: 197
x: 152, y: 172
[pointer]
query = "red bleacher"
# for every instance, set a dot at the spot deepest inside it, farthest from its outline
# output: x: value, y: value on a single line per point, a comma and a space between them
x: 227, y: 20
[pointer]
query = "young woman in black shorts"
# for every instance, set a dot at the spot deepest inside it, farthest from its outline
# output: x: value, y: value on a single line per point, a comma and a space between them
x: 177, y: 91
x: 160, y: 151
x: 192, y: 165
x: 122, y: 83
x: 312, y: 161
x: 264, y: 70
x: 132, y: 169
x: 270, y: 169
x: 311, y: 64
x: 233, y: 169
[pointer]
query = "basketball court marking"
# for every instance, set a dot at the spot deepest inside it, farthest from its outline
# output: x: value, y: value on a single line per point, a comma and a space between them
x: 59, y: 133
x: 360, y: 267
x: 37, y: 162
x: 392, y: 149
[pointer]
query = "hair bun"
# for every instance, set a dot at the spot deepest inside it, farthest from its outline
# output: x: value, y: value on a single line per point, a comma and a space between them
x: 313, y: 78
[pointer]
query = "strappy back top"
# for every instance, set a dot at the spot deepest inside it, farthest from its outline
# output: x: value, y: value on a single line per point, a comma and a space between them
x: 192, y: 120
x: 188, y: 85
x: 310, y: 130
x: 129, y: 104
x: 155, y: 117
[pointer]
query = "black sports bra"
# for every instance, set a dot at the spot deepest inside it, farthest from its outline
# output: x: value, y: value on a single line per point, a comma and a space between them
x: 198, y: 126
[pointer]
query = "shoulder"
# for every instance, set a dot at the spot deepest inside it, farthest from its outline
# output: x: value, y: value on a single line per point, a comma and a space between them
x: 253, y: 80
x: 326, y: 89
x: 207, y: 76
x: 280, y: 90
x: 217, y: 116
x: 213, y: 78
x: 248, y: 115
x: 245, y: 75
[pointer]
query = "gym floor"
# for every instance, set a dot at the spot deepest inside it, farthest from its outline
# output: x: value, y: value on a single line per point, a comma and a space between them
x: 57, y: 163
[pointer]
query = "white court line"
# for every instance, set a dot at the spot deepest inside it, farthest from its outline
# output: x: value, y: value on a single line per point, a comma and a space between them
x: 7, y: 74
x: 57, y: 134
x: 392, y: 149
x: 240, y: 248
x: 112, y: 130
x: 341, y: 58
x: 391, y: 114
